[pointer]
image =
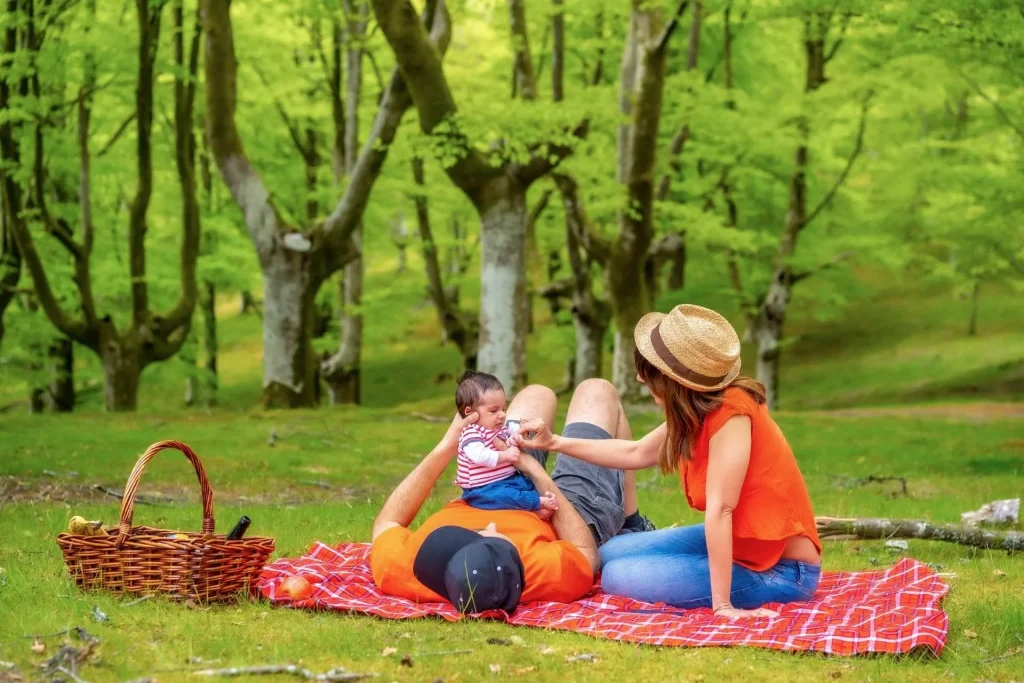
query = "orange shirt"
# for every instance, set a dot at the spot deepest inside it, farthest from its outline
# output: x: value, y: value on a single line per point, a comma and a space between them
x: 553, y: 570
x: 773, y: 504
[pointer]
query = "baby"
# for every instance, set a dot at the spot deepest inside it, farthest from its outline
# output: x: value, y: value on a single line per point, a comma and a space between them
x: 486, y: 461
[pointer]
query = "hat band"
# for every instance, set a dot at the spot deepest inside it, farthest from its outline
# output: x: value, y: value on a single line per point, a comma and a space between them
x: 677, y: 366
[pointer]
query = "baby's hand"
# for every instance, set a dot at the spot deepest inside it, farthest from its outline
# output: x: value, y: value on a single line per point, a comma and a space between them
x: 515, y: 439
x: 509, y: 455
x: 500, y: 445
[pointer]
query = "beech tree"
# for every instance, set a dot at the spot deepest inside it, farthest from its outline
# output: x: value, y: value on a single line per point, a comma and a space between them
x: 149, y: 337
x: 771, y: 316
x: 496, y: 182
x: 295, y: 260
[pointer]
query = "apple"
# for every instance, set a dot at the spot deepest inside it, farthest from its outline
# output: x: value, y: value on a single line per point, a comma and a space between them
x: 297, y: 587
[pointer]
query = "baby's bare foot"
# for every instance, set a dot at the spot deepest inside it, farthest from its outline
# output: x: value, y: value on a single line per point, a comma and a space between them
x: 548, y: 505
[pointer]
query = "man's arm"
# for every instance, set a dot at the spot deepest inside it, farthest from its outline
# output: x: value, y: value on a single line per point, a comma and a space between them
x: 567, y: 522
x: 405, y: 501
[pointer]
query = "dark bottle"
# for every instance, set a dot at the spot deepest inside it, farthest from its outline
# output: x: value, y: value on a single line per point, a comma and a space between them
x: 240, y: 528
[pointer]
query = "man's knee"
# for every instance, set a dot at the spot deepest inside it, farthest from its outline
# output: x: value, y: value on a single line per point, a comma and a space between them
x: 596, y: 387
x: 538, y: 392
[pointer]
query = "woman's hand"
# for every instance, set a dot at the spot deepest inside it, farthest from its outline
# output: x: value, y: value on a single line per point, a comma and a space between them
x: 734, y: 613
x: 543, y: 439
x: 449, y: 445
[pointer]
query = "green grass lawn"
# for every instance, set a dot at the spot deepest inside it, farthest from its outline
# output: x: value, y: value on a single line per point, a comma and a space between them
x: 329, y: 470
x: 361, y: 453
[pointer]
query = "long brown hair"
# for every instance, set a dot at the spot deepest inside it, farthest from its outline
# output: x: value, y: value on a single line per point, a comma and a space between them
x: 685, y: 409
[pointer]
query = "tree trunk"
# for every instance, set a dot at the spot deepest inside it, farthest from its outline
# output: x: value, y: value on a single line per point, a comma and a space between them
x: 772, y: 312
x: 289, y: 368
x: 459, y: 327
x: 121, y: 371
x: 246, y: 304
x: 208, y: 303
x: 503, y: 305
x: 37, y: 401
x: 640, y: 97
x: 61, y: 393
x: 972, y: 327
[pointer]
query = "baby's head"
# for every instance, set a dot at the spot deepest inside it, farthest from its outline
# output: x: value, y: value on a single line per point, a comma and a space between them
x: 482, y: 393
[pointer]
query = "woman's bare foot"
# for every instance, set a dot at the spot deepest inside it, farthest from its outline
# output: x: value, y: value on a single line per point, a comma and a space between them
x: 548, y: 505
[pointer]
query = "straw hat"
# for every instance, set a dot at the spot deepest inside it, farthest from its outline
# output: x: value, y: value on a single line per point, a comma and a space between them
x: 691, y: 344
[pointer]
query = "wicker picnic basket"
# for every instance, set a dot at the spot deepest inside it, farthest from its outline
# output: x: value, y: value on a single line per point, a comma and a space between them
x: 203, y: 567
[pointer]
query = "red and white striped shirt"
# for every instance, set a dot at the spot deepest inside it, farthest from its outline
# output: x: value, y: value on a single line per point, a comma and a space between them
x: 478, y: 461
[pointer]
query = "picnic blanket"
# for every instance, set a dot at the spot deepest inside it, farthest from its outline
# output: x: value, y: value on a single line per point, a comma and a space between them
x: 894, y: 610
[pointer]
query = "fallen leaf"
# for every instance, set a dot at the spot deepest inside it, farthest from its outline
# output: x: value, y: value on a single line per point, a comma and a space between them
x: 524, y: 670
x: 406, y: 661
x: 516, y: 640
x: 999, y: 573
x: 969, y: 633
x: 698, y: 678
x: 388, y: 651
x: 98, y: 614
x: 495, y: 668
x: 835, y: 674
x: 498, y: 641
x: 547, y: 650
x: 38, y: 646
x: 406, y: 635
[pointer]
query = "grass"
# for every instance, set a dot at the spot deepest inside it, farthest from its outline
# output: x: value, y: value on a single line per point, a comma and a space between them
x: 951, y: 467
x: 892, y: 349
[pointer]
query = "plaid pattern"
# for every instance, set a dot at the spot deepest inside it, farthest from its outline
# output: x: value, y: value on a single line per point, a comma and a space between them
x: 894, y: 610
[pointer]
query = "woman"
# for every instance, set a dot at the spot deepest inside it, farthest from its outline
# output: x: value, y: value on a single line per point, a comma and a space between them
x: 758, y: 543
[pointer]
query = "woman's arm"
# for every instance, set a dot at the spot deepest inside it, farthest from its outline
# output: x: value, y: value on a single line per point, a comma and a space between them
x: 613, y: 453
x: 728, y: 459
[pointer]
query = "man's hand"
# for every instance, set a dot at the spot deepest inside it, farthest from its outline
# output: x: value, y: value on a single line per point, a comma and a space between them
x: 509, y: 455
x: 449, y: 444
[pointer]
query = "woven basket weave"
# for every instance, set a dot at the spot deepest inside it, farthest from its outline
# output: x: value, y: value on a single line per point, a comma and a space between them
x: 138, y: 559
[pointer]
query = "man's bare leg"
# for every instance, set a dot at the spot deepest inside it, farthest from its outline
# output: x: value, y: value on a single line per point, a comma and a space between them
x: 534, y: 400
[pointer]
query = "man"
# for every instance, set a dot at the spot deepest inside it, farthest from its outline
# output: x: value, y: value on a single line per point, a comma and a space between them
x: 495, y: 559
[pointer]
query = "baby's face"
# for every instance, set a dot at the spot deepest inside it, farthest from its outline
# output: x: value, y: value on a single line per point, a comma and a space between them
x: 492, y: 410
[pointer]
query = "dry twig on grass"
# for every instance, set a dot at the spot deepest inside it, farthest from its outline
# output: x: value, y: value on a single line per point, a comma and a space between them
x: 291, y: 669
x: 431, y: 418
x: 876, y: 528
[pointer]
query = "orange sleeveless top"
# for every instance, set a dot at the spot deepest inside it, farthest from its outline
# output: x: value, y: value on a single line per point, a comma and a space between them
x: 773, y: 504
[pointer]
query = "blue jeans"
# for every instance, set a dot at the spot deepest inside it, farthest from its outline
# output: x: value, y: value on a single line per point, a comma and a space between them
x: 514, y: 492
x: 671, y: 566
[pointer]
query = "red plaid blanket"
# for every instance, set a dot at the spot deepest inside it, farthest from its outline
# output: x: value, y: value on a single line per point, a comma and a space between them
x: 894, y: 610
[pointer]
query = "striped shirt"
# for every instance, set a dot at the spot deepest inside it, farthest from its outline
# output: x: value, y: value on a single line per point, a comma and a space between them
x: 478, y: 461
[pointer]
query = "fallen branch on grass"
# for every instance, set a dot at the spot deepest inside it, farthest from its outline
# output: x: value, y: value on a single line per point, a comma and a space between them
x: 868, y: 528
x: 846, y: 481
x: 275, y: 669
x: 431, y: 418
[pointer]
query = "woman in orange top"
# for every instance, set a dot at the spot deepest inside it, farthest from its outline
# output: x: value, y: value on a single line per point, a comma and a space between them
x: 758, y: 543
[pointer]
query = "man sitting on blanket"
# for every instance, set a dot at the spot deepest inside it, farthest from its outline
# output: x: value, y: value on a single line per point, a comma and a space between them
x: 494, y: 559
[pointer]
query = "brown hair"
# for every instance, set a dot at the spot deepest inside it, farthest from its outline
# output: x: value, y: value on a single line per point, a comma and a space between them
x: 686, y: 409
x: 472, y: 387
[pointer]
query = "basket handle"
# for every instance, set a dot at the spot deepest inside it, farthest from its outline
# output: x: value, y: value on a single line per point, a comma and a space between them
x: 128, y: 498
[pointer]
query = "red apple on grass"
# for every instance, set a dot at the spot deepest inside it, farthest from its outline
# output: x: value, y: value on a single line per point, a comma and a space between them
x: 297, y: 587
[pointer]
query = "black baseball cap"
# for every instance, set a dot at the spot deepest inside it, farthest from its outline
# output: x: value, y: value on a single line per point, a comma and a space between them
x: 476, y: 573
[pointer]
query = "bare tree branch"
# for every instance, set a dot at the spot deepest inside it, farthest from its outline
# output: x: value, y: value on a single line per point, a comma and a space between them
x: 828, y: 265
x: 597, y: 247
x: 547, y: 156
x: 995, y: 105
x: 293, y: 130
x: 117, y: 135
x: 857, y: 147
x: 397, y: 99
x: 661, y: 42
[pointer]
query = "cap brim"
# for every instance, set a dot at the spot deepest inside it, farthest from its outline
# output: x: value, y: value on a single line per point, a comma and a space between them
x: 642, y: 339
